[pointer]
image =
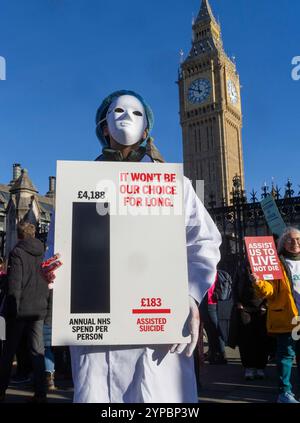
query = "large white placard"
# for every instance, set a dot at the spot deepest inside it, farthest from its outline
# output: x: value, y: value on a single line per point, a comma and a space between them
x: 119, y: 228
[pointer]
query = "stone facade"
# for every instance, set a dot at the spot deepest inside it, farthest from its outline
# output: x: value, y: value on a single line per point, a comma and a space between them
x: 18, y: 199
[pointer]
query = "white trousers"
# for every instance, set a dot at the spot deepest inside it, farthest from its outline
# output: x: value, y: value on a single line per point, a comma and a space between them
x: 132, y: 375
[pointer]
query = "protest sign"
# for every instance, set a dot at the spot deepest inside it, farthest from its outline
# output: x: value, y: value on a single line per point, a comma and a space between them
x: 119, y: 228
x: 263, y: 257
x: 272, y: 215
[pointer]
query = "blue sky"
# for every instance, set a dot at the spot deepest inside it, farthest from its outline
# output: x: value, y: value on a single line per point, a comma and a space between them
x: 64, y: 56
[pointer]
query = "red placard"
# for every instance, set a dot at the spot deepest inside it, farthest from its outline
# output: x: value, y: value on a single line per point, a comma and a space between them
x: 263, y: 257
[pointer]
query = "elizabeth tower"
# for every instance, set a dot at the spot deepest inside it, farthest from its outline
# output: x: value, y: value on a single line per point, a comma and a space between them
x: 210, y: 111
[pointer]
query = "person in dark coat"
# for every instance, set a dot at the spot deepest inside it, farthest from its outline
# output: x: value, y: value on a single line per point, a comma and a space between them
x: 250, y: 321
x: 209, y: 316
x: 27, y: 307
x: 3, y: 285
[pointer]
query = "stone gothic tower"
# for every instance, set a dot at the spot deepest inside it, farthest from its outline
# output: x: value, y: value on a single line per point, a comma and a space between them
x: 210, y: 111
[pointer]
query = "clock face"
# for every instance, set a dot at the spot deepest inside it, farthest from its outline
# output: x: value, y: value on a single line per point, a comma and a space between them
x: 232, y: 91
x: 199, y: 90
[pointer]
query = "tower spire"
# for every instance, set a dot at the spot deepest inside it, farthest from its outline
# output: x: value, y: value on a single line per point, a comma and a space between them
x: 205, y: 13
x: 210, y: 111
x: 206, y: 38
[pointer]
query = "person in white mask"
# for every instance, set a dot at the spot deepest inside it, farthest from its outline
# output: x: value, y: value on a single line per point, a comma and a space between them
x: 124, y: 123
x: 150, y: 373
x: 126, y: 120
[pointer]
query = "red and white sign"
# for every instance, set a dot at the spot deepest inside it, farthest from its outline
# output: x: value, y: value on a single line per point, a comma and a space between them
x: 263, y: 257
x: 120, y: 231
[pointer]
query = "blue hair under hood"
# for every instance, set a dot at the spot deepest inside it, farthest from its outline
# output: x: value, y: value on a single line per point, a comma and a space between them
x: 102, y: 111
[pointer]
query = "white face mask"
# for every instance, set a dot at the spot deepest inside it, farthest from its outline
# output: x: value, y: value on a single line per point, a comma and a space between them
x: 126, y: 120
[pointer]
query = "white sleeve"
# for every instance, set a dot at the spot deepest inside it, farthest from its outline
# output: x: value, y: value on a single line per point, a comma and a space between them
x: 203, y: 241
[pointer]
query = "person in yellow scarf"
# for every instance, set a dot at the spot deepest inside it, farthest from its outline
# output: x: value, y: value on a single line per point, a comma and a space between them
x: 283, y: 298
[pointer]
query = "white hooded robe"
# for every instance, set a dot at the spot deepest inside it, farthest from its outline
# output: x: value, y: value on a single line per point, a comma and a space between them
x: 151, y: 374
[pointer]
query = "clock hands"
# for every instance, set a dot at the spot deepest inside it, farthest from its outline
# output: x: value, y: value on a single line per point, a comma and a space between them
x: 199, y: 91
x: 232, y: 91
x: 196, y: 90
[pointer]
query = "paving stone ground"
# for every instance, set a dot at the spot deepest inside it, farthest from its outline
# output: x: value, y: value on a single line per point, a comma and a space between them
x: 226, y: 383
x: 219, y: 384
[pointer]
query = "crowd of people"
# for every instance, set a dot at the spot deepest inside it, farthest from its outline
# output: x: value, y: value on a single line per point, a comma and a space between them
x: 261, y: 318
x: 260, y: 325
x: 26, y: 304
x: 256, y: 316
